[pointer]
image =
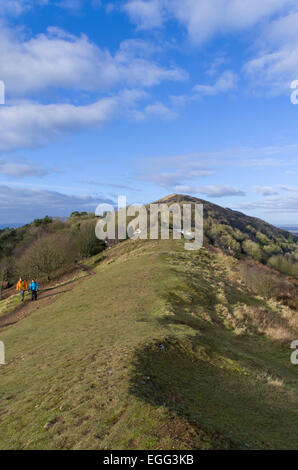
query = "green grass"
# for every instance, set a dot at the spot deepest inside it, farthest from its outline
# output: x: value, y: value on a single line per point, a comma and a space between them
x: 137, y: 357
x: 9, y: 304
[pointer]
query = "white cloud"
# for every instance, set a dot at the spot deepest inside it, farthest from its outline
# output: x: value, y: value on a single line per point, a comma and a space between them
x: 146, y: 14
x: 242, y: 157
x: 273, y: 190
x: 21, y: 169
x: 276, y: 63
x: 22, y: 204
x: 273, y: 205
x: 216, y: 64
x: 14, y: 7
x: 33, y: 125
x: 217, y: 190
x: 112, y: 185
x: 72, y: 5
x: 173, y: 178
x: 281, y: 30
x: 17, y: 7
x: 57, y: 59
x: 60, y: 60
x: 205, y: 18
x: 263, y: 162
x: 266, y: 190
x: 226, y: 82
x: 156, y: 109
x: 274, y: 70
x: 184, y: 173
x: 287, y: 188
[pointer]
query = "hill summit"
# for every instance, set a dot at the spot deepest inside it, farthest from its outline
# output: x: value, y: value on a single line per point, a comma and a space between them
x: 243, y: 236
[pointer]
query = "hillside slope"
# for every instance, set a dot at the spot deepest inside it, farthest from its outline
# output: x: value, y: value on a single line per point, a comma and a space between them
x: 241, y: 235
x: 160, y: 349
x: 236, y: 219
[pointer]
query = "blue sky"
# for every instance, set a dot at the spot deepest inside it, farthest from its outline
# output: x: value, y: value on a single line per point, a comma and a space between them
x: 144, y: 98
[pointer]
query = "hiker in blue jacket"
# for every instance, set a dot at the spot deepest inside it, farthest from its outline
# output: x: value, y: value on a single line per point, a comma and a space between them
x: 33, y: 287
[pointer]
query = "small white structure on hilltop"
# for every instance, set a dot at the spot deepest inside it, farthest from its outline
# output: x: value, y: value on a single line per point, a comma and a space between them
x: 186, y: 233
x: 137, y: 232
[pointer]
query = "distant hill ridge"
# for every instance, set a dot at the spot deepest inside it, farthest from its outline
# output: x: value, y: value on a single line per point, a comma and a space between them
x: 235, y: 233
x: 220, y: 211
x: 241, y: 235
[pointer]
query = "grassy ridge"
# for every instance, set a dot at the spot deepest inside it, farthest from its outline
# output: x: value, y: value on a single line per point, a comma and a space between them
x: 144, y: 355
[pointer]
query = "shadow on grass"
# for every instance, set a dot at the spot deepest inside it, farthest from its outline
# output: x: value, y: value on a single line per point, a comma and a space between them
x: 232, y: 409
x: 53, y: 295
x: 212, y: 379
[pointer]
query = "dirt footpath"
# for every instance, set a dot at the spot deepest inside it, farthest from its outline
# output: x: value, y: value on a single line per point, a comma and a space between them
x: 45, y: 297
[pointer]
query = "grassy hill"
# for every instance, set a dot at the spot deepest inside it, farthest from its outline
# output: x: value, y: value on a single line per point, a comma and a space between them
x: 244, y: 236
x: 161, y: 348
x: 233, y: 232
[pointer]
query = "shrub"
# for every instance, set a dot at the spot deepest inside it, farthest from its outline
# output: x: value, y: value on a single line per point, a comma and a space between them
x: 257, y: 280
x: 253, y: 250
x: 48, y: 254
x: 266, y: 284
x: 272, y: 249
x: 286, y: 264
x: 42, y: 222
x: 88, y: 243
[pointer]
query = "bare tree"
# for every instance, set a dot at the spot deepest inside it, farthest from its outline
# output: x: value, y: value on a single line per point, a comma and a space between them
x: 6, y: 270
x: 48, y: 254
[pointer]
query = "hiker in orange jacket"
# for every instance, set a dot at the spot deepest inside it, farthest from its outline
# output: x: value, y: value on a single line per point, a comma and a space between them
x: 21, y: 287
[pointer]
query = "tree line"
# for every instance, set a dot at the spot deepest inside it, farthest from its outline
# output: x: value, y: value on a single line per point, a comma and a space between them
x: 47, y: 247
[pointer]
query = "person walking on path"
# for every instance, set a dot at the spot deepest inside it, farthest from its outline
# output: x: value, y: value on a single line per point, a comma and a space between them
x: 33, y: 287
x: 22, y: 286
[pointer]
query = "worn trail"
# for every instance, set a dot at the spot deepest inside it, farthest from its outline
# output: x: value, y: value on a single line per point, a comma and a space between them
x: 45, y: 298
